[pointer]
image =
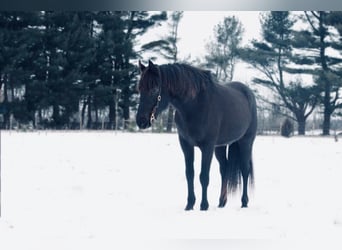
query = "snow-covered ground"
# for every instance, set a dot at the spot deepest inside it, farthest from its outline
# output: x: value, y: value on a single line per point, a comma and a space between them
x: 106, y: 190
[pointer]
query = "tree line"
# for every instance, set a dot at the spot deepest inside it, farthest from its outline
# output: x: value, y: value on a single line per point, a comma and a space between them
x: 74, y: 70
x: 69, y: 69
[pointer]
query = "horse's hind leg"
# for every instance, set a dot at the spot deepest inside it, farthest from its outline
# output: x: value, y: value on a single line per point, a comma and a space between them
x: 221, y: 156
x: 246, y: 167
x: 245, y: 174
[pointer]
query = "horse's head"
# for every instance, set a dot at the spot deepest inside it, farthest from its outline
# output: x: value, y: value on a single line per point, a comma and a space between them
x: 153, y: 98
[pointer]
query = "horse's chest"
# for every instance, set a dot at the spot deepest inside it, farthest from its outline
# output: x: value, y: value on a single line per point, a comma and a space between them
x: 193, y: 129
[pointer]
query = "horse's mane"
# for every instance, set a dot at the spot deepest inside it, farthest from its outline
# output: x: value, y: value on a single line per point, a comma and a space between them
x: 182, y: 80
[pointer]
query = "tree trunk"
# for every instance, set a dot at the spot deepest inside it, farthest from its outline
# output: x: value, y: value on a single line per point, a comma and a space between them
x: 327, y: 107
x: 327, y: 85
x: 112, y: 115
x: 55, y: 116
x: 126, y: 107
x: 82, y: 114
x: 89, y: 122
x: 96, y: 126
x: 40, y: 118
x: 326, y: 121
x: 301, y: 127
x: 34, y: 119
x: 301, y: 121
x: 6, y: 113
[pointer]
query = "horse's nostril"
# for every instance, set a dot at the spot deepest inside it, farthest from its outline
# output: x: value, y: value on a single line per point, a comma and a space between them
x: 142, y: 122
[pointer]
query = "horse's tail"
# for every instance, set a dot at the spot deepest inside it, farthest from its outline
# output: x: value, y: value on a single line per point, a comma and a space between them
x: 236, y: 158
x: 235, y: 166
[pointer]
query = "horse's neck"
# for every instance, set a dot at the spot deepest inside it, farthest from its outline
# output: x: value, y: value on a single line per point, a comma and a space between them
x: 188, y: 108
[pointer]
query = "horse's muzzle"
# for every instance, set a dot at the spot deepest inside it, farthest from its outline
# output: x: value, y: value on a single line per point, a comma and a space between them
x: 143, y: 122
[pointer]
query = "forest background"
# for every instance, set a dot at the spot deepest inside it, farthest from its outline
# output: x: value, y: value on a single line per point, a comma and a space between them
x: 78, y: 70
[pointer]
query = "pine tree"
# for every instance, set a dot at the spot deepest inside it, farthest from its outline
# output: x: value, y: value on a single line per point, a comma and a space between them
x: 14, y: 45
x: 60, y: 74
x: 271, y: 57
x: 111, y: 48
x: 314, y: 58
x: 80, y: 51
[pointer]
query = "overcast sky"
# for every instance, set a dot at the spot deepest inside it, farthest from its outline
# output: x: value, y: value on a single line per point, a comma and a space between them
x: 196, y: 29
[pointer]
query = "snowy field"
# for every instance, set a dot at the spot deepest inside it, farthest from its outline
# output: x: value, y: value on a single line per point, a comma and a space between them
x: 102, y: 190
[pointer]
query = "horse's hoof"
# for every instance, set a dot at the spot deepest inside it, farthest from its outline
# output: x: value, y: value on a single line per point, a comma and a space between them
x: 189, y: 207
x: 244, y: 202
x: 222, y: 203
x: 204, y: 207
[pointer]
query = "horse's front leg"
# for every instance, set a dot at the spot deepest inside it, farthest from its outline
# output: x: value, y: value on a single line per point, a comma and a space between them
x: 188, y: 151
x: 207, y: 155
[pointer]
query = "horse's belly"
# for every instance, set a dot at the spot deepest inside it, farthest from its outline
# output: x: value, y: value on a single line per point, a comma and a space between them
x: 228, y: 135
x: 227, y: 141
x: 216, y: 132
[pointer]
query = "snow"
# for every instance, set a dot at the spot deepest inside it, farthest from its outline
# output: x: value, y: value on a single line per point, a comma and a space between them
x: 106, y: 190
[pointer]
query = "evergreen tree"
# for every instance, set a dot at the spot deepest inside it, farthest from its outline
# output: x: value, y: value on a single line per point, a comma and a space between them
x: 35, y: 90
x: 315, y: 59
x: 13, y: 46
x: 113, y: 49
x: 335, y: 19
x: 80, y: 53
x: 60, y: 74
x: 270, y: 57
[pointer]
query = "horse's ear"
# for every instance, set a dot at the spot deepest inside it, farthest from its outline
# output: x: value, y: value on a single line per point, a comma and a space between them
x: 141, y: 66
x: 150, y: 63
x: 152, y: 67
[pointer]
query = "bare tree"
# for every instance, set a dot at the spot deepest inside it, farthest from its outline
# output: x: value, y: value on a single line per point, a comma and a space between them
x: 223, y: 50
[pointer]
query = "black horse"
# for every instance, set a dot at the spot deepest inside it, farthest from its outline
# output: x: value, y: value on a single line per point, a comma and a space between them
x: 208, y: 115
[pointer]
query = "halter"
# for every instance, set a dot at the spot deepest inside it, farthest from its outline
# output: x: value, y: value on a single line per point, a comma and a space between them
x: 152, y: 117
